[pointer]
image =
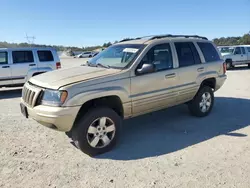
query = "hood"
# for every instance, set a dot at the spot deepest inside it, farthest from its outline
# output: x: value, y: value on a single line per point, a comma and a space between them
x: 58, y: 78
x: 226, y: 54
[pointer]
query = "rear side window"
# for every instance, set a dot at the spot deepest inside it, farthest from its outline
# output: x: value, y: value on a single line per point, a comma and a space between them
x: 209, y: 52
x: 243, y: 50
x: 45, y: 55
x: 3, y: 58
x: 187, y: 54
x: 22, y: 56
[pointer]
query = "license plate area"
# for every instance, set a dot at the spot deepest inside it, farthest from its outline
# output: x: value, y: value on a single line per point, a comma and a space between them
x: 24, y: 110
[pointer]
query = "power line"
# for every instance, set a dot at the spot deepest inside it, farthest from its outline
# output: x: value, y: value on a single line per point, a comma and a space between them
x: 30, y: 39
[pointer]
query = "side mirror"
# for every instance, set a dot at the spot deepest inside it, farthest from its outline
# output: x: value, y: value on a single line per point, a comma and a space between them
x: 146, y: 68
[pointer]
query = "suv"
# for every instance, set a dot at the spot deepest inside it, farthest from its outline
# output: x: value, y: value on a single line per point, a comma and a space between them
x: 236, y: 55
x: 130, y: 78
x: 17, y: 65
x: 86, y: 54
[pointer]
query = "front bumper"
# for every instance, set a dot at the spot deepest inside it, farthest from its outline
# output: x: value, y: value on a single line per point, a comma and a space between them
x: 220, y: 81
x: 58, y: 118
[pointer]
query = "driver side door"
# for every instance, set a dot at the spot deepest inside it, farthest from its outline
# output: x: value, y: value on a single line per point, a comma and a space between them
x: 155, y: 90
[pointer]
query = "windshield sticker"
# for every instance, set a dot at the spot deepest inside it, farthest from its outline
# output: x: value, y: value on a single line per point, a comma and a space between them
x: 130, y: 50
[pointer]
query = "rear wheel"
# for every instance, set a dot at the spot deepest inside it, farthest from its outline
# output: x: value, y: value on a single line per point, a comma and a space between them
x: 98, y: 131
x: 202, y: 103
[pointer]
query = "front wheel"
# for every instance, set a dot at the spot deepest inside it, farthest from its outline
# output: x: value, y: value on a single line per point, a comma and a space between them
x: 202, y: 103
x: 98, y: 131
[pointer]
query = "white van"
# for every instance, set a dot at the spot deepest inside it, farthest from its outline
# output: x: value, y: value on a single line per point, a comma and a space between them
x: 17, y: 65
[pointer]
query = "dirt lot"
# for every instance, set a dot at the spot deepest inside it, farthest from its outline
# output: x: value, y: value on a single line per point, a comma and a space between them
x: 169, y: 148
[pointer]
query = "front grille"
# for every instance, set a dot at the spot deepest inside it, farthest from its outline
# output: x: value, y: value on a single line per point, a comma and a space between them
x: 30, y: 94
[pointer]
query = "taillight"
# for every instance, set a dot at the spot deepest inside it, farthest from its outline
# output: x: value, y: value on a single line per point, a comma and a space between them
x: 58, y: 65
x: 224, y: 68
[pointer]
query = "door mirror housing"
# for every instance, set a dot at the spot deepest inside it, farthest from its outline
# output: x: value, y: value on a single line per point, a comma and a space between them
x: 146, y: 68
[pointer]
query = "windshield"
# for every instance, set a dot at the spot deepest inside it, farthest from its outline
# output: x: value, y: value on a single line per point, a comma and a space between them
x: 226, y: 49
x: 117, y: 56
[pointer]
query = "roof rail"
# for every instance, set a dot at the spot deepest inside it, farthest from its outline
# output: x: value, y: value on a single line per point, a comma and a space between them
x: 152, y: 37
x: 177, y: 36
x: 137, y: 38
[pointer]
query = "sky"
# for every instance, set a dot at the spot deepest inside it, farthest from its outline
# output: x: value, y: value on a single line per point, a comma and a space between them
x: 85, y: 23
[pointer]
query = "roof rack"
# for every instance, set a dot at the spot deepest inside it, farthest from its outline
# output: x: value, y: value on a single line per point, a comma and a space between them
x: 137, y: 38
x: 152, y: 37
x: 177, y: 36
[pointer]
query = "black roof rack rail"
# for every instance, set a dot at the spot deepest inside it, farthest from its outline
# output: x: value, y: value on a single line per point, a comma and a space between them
x: 176, y: 36
x: 137, y: 38
x: 152, y: 37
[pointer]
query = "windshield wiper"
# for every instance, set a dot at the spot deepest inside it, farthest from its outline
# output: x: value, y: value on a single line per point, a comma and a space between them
x: 101, y: 65
x: 95, y: 65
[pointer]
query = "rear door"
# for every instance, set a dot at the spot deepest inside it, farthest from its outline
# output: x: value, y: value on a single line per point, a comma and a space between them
x: 190, y: 67
x: 238, y: 56
x: 244, y: 54
x: 23, y: 62
x: 46, y: 60
x: 5, y: 69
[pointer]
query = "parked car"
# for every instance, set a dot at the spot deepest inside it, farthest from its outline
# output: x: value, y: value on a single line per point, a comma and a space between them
x: 128, y: 79
x: 86, y: 54
x: 17, y: 65
x: 236, y: 55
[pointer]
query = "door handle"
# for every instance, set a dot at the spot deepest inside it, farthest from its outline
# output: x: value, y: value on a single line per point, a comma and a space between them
x: 32, y: 65
x: 200, y: 69
x: 172, y: 75
x: 4, y: 67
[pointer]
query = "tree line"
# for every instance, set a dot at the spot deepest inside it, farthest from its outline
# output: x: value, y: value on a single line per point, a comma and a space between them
x: 223, y: 41
x: 231, y: 41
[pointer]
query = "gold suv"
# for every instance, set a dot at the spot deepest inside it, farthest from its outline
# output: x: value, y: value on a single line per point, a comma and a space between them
x: 130, y: 78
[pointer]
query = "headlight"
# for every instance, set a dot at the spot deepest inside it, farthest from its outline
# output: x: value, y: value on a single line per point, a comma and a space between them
x: 53, y: 97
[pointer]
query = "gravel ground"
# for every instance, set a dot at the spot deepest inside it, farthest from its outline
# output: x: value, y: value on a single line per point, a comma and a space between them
x: 169, y: 148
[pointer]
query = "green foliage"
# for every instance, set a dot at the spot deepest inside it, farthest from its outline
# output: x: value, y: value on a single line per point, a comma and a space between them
x: 245, y: 39
x: 230, y: 41
x: 21, y: 45
x: 107, y: 44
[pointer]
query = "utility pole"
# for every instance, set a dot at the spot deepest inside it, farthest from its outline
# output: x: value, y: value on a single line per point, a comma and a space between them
x: 30, y: 39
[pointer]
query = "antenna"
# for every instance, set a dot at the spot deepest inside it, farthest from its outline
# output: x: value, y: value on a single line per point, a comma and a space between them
x: 30, y: 39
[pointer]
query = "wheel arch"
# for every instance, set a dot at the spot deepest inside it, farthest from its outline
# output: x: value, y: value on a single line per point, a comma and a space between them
x: 211, y: 82
x: 113, y: 101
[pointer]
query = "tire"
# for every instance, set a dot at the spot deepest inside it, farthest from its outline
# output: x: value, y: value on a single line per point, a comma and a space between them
x: 90, y: 56
x: 87, y: 136
x: 229, y: 65
x: 196, y: 106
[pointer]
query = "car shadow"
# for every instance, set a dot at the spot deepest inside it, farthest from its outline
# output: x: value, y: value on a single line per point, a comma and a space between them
x: 10, y: 93
x: 236, y: 68
x: 174, y: 129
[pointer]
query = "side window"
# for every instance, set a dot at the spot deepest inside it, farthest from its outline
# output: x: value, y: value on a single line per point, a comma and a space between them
x: 161, y: 56
x: 187, y: 54
x: 45, y: 55
x: 237, y: 51
x: 209, y: 52
x: 248, y: 49
x: 22, y: 57
x: 243, y: 50
x: 3, y: 58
